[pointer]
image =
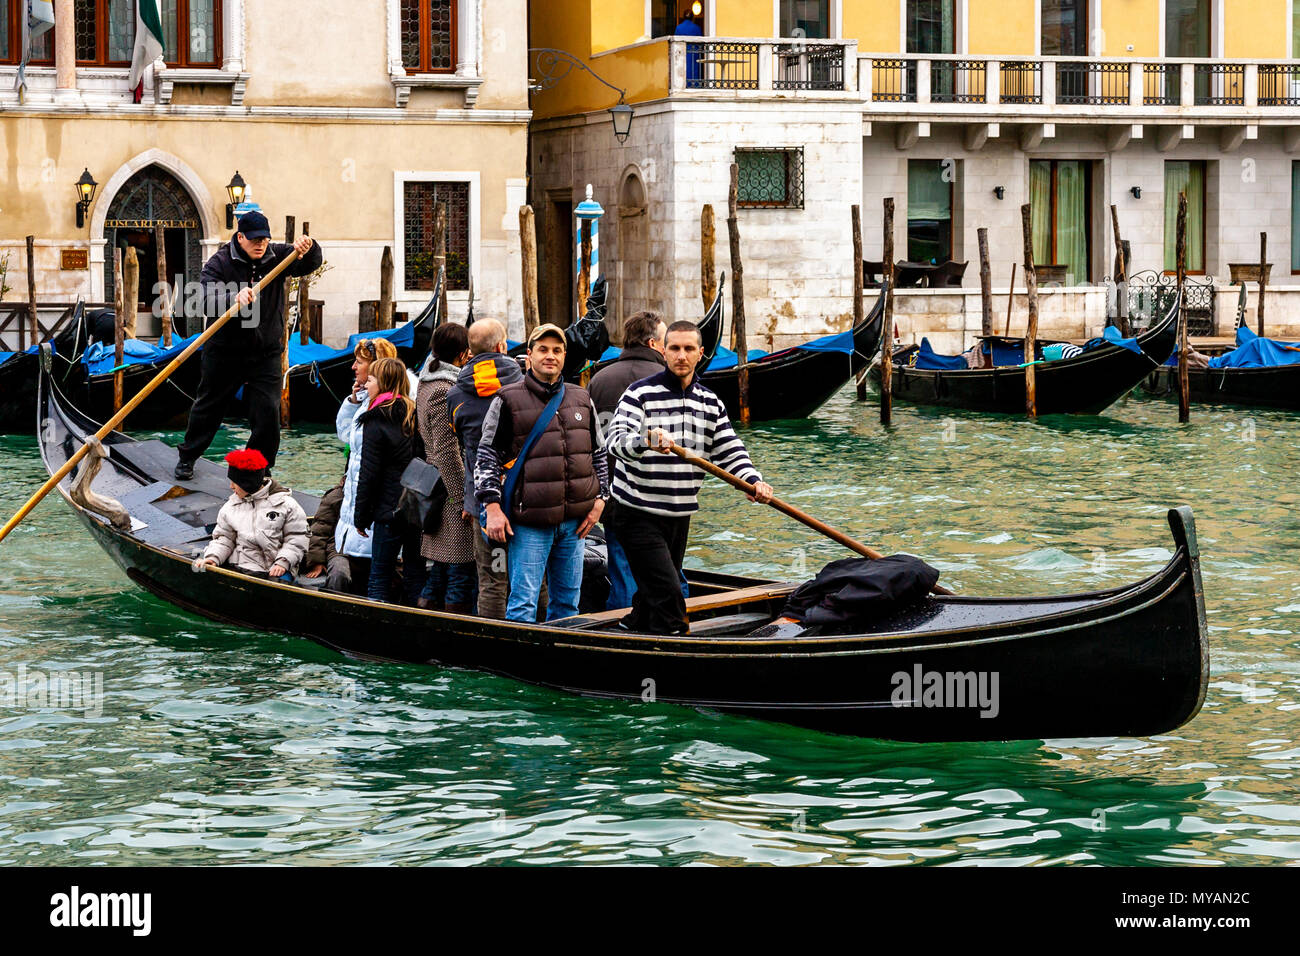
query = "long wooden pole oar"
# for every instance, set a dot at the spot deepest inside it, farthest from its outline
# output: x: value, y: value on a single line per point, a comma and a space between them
x: 140, y: 396
x: 740, y: 483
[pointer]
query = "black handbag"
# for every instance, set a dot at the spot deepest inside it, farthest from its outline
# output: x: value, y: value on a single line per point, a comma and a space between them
x: 423, y: 493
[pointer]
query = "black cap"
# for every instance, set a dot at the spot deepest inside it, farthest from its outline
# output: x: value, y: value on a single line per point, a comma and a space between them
x: 253, y: 225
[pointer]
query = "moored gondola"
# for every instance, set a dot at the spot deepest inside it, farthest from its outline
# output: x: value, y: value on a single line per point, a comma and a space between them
x: 1086, y: 384
x: 1277, y: 387
x: 1127, y: 661
x: 20, y: 370
x: 795, y: 382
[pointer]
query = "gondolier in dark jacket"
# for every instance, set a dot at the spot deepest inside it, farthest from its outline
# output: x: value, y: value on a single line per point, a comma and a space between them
x: 642, y: 357
x: 656, y: 493
x: 561, y: 489
x: 246, y: 352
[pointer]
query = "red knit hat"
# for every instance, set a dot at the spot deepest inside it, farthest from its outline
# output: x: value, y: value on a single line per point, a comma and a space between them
x: 247, y: 468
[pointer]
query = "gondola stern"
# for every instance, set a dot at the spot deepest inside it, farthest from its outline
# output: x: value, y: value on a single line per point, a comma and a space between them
x: 1183, y: 525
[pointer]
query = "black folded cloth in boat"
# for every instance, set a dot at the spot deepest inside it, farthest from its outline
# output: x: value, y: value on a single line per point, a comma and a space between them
x: 855, y: 591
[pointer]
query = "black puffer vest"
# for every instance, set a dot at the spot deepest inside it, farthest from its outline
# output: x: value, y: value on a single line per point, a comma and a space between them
x: 559, y: 482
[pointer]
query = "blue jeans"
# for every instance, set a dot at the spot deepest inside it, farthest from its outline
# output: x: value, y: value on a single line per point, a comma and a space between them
x: 551, y: 553
x: 451, y: 583
x: 622, y: 586
x: 390, y: 538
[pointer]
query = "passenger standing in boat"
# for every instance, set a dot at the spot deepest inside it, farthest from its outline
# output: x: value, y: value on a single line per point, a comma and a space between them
x: 656, y: 493
x: 348, y: 542
x: 545, y: 433
x: 453, y: 579
x: 642, y: 357
x: 246, y: 352
x: 260, y: 529
x: 391, y: 440
x: 467, y: 403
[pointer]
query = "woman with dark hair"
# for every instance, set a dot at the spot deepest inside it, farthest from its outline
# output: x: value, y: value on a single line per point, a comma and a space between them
x: 390, y: 440
x: 452, y: 583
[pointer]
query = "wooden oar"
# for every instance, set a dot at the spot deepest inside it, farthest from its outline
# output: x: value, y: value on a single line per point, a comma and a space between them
x: 130, y: 406
x: 740, y: 483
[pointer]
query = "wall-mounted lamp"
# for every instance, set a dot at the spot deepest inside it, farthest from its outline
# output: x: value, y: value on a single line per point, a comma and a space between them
x: 1137, y: 192
x: 235, y: 189
x: 697, y: 8
x: 86, y: 186
x: 1000, y: 192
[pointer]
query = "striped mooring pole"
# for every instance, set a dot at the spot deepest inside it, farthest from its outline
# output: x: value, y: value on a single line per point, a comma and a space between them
x: 587, y: 211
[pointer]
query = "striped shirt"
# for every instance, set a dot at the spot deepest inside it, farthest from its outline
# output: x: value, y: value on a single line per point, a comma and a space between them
x: 696, y: 419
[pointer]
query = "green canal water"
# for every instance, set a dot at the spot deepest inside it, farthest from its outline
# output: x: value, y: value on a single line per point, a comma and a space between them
x: 217, y: 746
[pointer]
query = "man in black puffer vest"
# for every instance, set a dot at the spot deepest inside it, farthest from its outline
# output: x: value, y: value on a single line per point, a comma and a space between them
x: 246, y: 352
x: 561, y: 490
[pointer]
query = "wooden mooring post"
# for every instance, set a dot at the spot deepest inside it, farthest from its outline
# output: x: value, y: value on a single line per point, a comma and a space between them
x: 1263, y: 281
x: 290, y: 228
x: 738, y: 338
x: 304, y: 301
x: 119, y: 328
x: 1184, y: 400
x: 440, y: 255
x: 164, y: 299
x: 1031, y: 331
x: 1121, y: 274
x: 528, y: 265
x: 986, y: 284
x: 1011, y: 298
x: 887, y: 324
x: 858, y: 279
x: 31, y: 297
x: 386, y: 288
x: 708, y: 256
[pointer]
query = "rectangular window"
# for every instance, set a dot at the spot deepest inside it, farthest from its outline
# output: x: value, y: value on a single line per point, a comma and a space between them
x: 1295, y: 29
x: 1059, y: 193
x: 11, y: 38
x: 771, y: 178
x: 1065, y: 28
x: 670, y: 18
x: 104, y: 32
x: 191, y: 32
x: 419, y: 205
x: 805, y: 18
x: 428, y: 30
x: 931, y: 26
x: 929, y: 210
x: 1185, y: 176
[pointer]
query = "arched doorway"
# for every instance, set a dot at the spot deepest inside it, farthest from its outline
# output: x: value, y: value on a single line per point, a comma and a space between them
x: 633, y: 254
x: 153, y: 197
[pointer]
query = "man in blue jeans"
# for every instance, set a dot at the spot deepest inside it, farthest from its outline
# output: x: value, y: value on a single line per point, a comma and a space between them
x: 545, y: 434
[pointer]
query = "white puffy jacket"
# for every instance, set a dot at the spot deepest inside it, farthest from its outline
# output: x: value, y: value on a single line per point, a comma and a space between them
x: 266, y: 528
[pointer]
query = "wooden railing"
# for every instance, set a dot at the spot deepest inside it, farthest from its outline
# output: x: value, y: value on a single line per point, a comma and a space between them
x: 16, y: 323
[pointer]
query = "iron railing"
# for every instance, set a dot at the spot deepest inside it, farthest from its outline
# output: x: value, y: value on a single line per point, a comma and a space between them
x: 958, y: 81
x: 800, y: 66
x: 1279, y: 84
x: 1022, y: 81
x: 721, y: 65
x: 1220, y: 84
x: 1092, y: 84
x: 893, y: 81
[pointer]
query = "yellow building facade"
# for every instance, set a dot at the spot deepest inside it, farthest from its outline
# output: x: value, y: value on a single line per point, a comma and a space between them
x: 356, y: 120
x: 961, y: 110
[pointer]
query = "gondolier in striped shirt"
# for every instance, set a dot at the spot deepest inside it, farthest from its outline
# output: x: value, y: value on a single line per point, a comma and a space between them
x: 656, y: 492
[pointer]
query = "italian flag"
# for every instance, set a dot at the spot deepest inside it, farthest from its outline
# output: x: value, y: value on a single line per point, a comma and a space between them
x: 148, y: 43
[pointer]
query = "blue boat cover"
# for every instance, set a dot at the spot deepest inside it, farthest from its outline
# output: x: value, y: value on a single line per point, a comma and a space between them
x: 1113, y: 337
x: 1255, y: 352
x: 928, y: 360
x: 724, y: 358
x: 99, y: 357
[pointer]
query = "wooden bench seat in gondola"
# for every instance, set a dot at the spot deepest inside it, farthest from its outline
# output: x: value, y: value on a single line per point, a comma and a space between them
x: 700, y: 607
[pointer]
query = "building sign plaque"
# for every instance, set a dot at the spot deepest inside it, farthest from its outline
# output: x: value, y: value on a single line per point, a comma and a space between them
x: 74, y: 259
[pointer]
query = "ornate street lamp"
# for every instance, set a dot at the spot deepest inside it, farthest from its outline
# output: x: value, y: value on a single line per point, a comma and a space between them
x: 235, y: 189
x: 554, y: 65
x: 86, y: 187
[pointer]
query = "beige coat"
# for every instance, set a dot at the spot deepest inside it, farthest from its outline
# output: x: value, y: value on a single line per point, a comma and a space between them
x: 268, y: 527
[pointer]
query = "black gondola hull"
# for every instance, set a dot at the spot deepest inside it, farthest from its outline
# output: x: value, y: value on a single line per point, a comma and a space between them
x: 1085, y: 385
x: 1122, y: 662
x: 1277, y: 387
x: 19, y: 375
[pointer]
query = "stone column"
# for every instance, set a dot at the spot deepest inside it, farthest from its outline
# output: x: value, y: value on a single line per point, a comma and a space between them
x: 65, y: 47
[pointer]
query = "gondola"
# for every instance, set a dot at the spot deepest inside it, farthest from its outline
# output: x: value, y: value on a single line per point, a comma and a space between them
x: 316, y: 389
x: 1127, y: 661
x: 1277, y: 387
x: 1084, y: 385
x: 710, y: 328
x: 18, y: 374
x: 795, y: 382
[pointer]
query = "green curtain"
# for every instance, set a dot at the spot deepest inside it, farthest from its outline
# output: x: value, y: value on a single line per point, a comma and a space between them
x: 1187, y: 28
x: 928, y: 195
x: 1295, y: 29
x: 1182, y: 176
x: 931, y: 26
x: 810, y: 16
x: 1040, y: 200
x: 1072, y: 219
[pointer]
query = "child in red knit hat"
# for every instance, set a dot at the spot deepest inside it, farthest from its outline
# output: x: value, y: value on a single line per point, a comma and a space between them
x: 261, y: 528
